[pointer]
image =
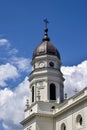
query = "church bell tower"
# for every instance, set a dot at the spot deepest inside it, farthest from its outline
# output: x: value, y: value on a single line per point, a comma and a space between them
x: 46, y: 86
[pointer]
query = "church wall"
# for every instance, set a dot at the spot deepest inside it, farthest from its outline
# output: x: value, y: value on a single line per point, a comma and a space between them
x: 44, y: 123
x: 31, y: 125
x: 40, y: 87
x: 69, y: 118
x: 31, y: 110
x: 45, y: 59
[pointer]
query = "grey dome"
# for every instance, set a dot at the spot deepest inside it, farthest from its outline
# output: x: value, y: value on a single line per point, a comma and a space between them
x: 45, y: 47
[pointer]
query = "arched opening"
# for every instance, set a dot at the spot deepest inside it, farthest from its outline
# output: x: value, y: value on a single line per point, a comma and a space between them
x: 33, y: 94
x: 63, y: 127
x: 79, y: 121
x: 52, y: 92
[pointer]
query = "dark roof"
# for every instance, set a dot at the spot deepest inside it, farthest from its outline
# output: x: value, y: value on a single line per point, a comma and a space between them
x: 45, y: 47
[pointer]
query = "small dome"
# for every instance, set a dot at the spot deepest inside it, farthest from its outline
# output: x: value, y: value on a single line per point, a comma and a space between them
x: 45, y: 47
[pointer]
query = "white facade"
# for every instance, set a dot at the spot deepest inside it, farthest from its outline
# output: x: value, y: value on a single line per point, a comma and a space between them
x: 47, y: 108
x: 43, y: 75
x: 52, y: 116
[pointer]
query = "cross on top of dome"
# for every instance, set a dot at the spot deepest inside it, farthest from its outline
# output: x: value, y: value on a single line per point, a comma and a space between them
x: 46, y: 22
x: 46, y: 38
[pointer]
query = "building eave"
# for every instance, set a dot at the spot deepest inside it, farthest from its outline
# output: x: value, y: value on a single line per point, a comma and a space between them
x: 71, y: 106
x: 26, y: 120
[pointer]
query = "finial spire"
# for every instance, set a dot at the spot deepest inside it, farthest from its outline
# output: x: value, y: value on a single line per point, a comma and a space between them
x: 46, y: 38
x: 46, y: 22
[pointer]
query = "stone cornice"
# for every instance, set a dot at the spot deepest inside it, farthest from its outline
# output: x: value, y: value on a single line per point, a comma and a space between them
x: 44, y: 57
x: 69, y: 107
x: 61, y: 108
x: 45, y: 71
x: 25, y: 121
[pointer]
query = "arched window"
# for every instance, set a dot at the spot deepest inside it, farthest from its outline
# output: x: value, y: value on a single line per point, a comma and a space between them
x: 33, y: 94
x: 79, y: 121
x: 63, y: 127
x: 52, y: 92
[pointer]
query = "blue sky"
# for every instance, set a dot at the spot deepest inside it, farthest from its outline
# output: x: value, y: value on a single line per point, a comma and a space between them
x: 21, y: 30
x: 22, y: 24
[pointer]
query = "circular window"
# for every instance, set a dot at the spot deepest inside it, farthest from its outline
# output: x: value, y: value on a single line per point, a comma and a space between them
x: 79, y: 121
x: 51, y: 64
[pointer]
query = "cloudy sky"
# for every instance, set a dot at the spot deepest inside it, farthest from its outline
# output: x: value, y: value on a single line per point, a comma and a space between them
x: 21, y: 30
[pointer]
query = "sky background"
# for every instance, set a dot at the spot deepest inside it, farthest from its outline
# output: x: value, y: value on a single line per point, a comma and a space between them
x: 21, y: 30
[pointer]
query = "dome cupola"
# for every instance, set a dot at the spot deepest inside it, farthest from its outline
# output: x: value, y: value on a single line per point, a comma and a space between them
x: 46, y: 47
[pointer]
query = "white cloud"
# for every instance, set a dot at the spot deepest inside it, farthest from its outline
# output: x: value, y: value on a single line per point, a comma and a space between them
x: 6, y: 48
x: 7, y: 71
x: 12, y: 104
x: 75, y: 77
x: 13, y: 51
x: 8, y: 54
x: 4, y: 42
x: 23, y: 64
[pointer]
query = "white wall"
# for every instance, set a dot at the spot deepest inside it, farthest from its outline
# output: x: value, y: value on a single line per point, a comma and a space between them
x: 69, y: 118
x: 44, y: 123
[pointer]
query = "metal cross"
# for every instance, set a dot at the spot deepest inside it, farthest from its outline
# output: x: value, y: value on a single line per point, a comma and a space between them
x: 46, y: 22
